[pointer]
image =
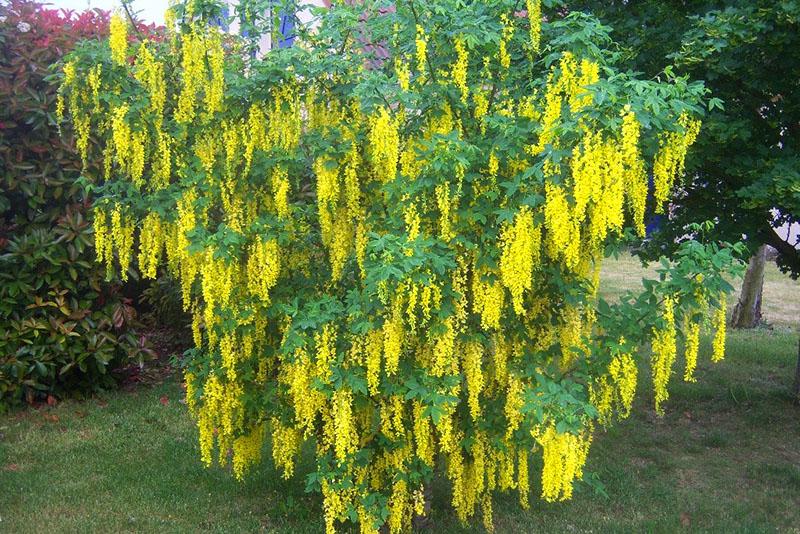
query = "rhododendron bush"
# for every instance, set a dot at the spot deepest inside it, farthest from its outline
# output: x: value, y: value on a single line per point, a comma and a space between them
x: 390, y: 239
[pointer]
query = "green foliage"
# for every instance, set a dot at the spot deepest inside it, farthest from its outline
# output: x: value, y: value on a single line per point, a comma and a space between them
x: 62, y: 328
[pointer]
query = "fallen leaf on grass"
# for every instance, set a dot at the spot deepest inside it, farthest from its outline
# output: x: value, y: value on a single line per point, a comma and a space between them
x: 685, y: 520
x: 164, y: 400
x: 53, y: 418
x: 11, y: 467
x: 51, y: 400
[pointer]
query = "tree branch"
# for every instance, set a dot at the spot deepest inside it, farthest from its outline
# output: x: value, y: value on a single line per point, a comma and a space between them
x: 133, y: 22
x: 789, y: 254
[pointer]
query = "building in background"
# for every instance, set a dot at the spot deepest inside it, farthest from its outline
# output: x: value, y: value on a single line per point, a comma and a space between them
x: 283, y: 35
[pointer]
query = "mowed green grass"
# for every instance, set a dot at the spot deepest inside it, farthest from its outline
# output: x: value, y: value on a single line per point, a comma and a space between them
x: 724, y: 458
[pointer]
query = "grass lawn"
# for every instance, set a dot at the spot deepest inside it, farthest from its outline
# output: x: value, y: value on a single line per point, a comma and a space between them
x: 725, y: 457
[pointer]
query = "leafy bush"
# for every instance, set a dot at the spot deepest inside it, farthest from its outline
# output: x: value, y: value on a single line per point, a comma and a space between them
x: 398, y: 258
x: 61, y: 326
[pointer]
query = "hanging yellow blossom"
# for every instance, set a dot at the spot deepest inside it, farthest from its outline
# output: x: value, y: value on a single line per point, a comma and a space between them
x: 664, y: 352
x: 692, y: 348
x: 535, y: 20
x: 460, y: 67
x: 384, y: 145
x: 564, y: 455
x: 623, y: 372
x: 421, y: 46
x: 719, y: 324
x: 520, y: 245
x: 403, y: 73
x: 505, y: 39
x: 563, y: 232
x: 151, y: 243
x: 122, y: 239
x: 118, y: 39
x: 669, y: 162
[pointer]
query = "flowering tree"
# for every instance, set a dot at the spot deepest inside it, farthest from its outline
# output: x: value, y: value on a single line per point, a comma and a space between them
x: 398, y: 259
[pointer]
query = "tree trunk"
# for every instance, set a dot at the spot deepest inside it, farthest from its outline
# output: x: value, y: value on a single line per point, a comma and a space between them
x: 747, y: 312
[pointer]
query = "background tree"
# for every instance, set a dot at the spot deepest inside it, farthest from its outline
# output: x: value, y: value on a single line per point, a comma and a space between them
x: 744, y: 172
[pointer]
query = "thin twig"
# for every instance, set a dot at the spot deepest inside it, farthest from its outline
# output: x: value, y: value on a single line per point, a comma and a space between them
x: 133, y: 22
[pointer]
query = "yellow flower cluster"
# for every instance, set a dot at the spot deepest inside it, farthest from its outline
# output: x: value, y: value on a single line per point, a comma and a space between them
x: 218, y: 419
x: 121, y: 239
x: 635, y: 174
x: 280, y: 191
x: 535, y: 20
x: 336, y: 224
x: 615, y: 391
x: 488, y: 299
x: 403, y: 73
x: 505, y: 38
x: 690, y: 351
x: 151, y: 243
x: 150, y: 73
x: 563, y: 231
x: 216, y: 61
x: 393, y: 335
x: 564, y: 455
x: 520, y: 245
x: 103, y: 246
x: 384, y: 142
x: 194, y: 74
x: 421, y: 47
x: 670, y: 159
x: 263, y: 268
x: 664, y: 352
x: 460, y: 67
x: 118, y: 39
x: 719, y: 323
x: 473, y: 373
x: 623, y: 372
x: 247, y: 451
x: 286, y: 441
x: 445, y: 201
x: 346, y: 437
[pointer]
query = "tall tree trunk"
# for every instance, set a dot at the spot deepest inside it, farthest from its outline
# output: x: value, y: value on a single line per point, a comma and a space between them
x: 747, y: 312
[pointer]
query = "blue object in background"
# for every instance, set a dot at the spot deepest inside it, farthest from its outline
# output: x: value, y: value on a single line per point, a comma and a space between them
x: 285, y: 35
x: 222, y: 21
x: 286, y: 29
x: 653, y: 225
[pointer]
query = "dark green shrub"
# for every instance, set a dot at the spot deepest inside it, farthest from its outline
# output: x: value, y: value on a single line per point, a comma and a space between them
x: 62, y: 326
